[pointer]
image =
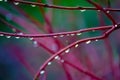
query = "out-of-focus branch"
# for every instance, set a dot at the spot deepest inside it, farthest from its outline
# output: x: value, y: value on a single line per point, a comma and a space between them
x: 62, y: 7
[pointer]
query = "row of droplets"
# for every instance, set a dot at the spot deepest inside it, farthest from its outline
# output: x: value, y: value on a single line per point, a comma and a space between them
x: 31, y: 39
x: 72, y: 34
x: 8, y: 36
x: 59, y: 58
x: 17, y: 35
x: 82, y: 10
x: 35, y: 42
x: 32, y: 5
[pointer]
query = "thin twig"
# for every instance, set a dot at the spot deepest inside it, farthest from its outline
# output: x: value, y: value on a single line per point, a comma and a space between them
x: 63, y: 7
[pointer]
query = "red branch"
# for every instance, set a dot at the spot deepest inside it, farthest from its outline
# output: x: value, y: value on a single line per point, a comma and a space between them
x: 63, y: 7
x: 78, y: 32
x: 109, y: 29
x: 104, y: 10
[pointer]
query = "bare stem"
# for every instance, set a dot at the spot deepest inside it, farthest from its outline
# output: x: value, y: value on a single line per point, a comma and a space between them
x: 78, y: 32
x: 63, y: 7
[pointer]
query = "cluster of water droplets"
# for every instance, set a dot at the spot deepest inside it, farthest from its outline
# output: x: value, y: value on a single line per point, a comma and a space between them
x: 62, y: 35
x: 9, y: 36
x: 17, y: 3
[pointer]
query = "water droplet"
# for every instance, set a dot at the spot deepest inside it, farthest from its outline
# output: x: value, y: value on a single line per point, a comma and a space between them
x: 98, y: 10
x: 78, y: 34
x: 88, y: 42
x: 83, y: 10
x: 5, y: 0
x: 67, y: 51
x: 33, y: 5
x: 31, y: 38
x: 57, y: 57
x: 17, y: 37
x: 72, y: 34
x: 16, y: 3
x: 55, y: 36
x: 107, y: 11
x: 35, y: 43
x: 76, y: 45
x: 1, y: 35
x: 20, y: 33
x: 42, y: 72
x: 13, y: 29
x: 61, y: 35
x: 8, y: 36
x: 96, y: 40
x: 49, y: 63
x: 62, y: 60
x: 116, y: 25
x: 67, y: 34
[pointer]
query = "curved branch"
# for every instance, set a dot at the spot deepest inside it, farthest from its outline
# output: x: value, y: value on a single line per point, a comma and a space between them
x: 61, y: 34
x: 62, y: 50
x: 105, y: 35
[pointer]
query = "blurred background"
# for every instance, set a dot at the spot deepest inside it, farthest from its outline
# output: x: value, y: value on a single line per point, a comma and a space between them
x: 20, y: 58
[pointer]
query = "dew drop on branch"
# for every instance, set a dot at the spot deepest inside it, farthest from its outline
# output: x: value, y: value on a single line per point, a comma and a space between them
x: 88, y: 42
x: 33, y: 5
x: 61, y: 35
x: 78, y: 34
x: 49, y: 63
x: 20, y: 33
x: 98, y: 10
x: 76, y: 45
x: 67, y: 34
x: 31, y: 38
x: 72, y: 34
x: 16, y: 3
x: 8, y: 36
x: 83, y: 10
x: 67, y: 51
x: 107, y: 11
x: 96, y: 40
x: 17, y: 37
x: 57, y: 57
x: 54, y: 36
x: 5, y: 0
x: 35, y: 43
x: 62, y: 61
x: 116, y: 25
x: 1, y: 35
x: 42, y: 72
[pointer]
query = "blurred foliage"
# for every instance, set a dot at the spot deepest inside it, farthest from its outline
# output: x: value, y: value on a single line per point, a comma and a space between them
x: 61, y: 20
